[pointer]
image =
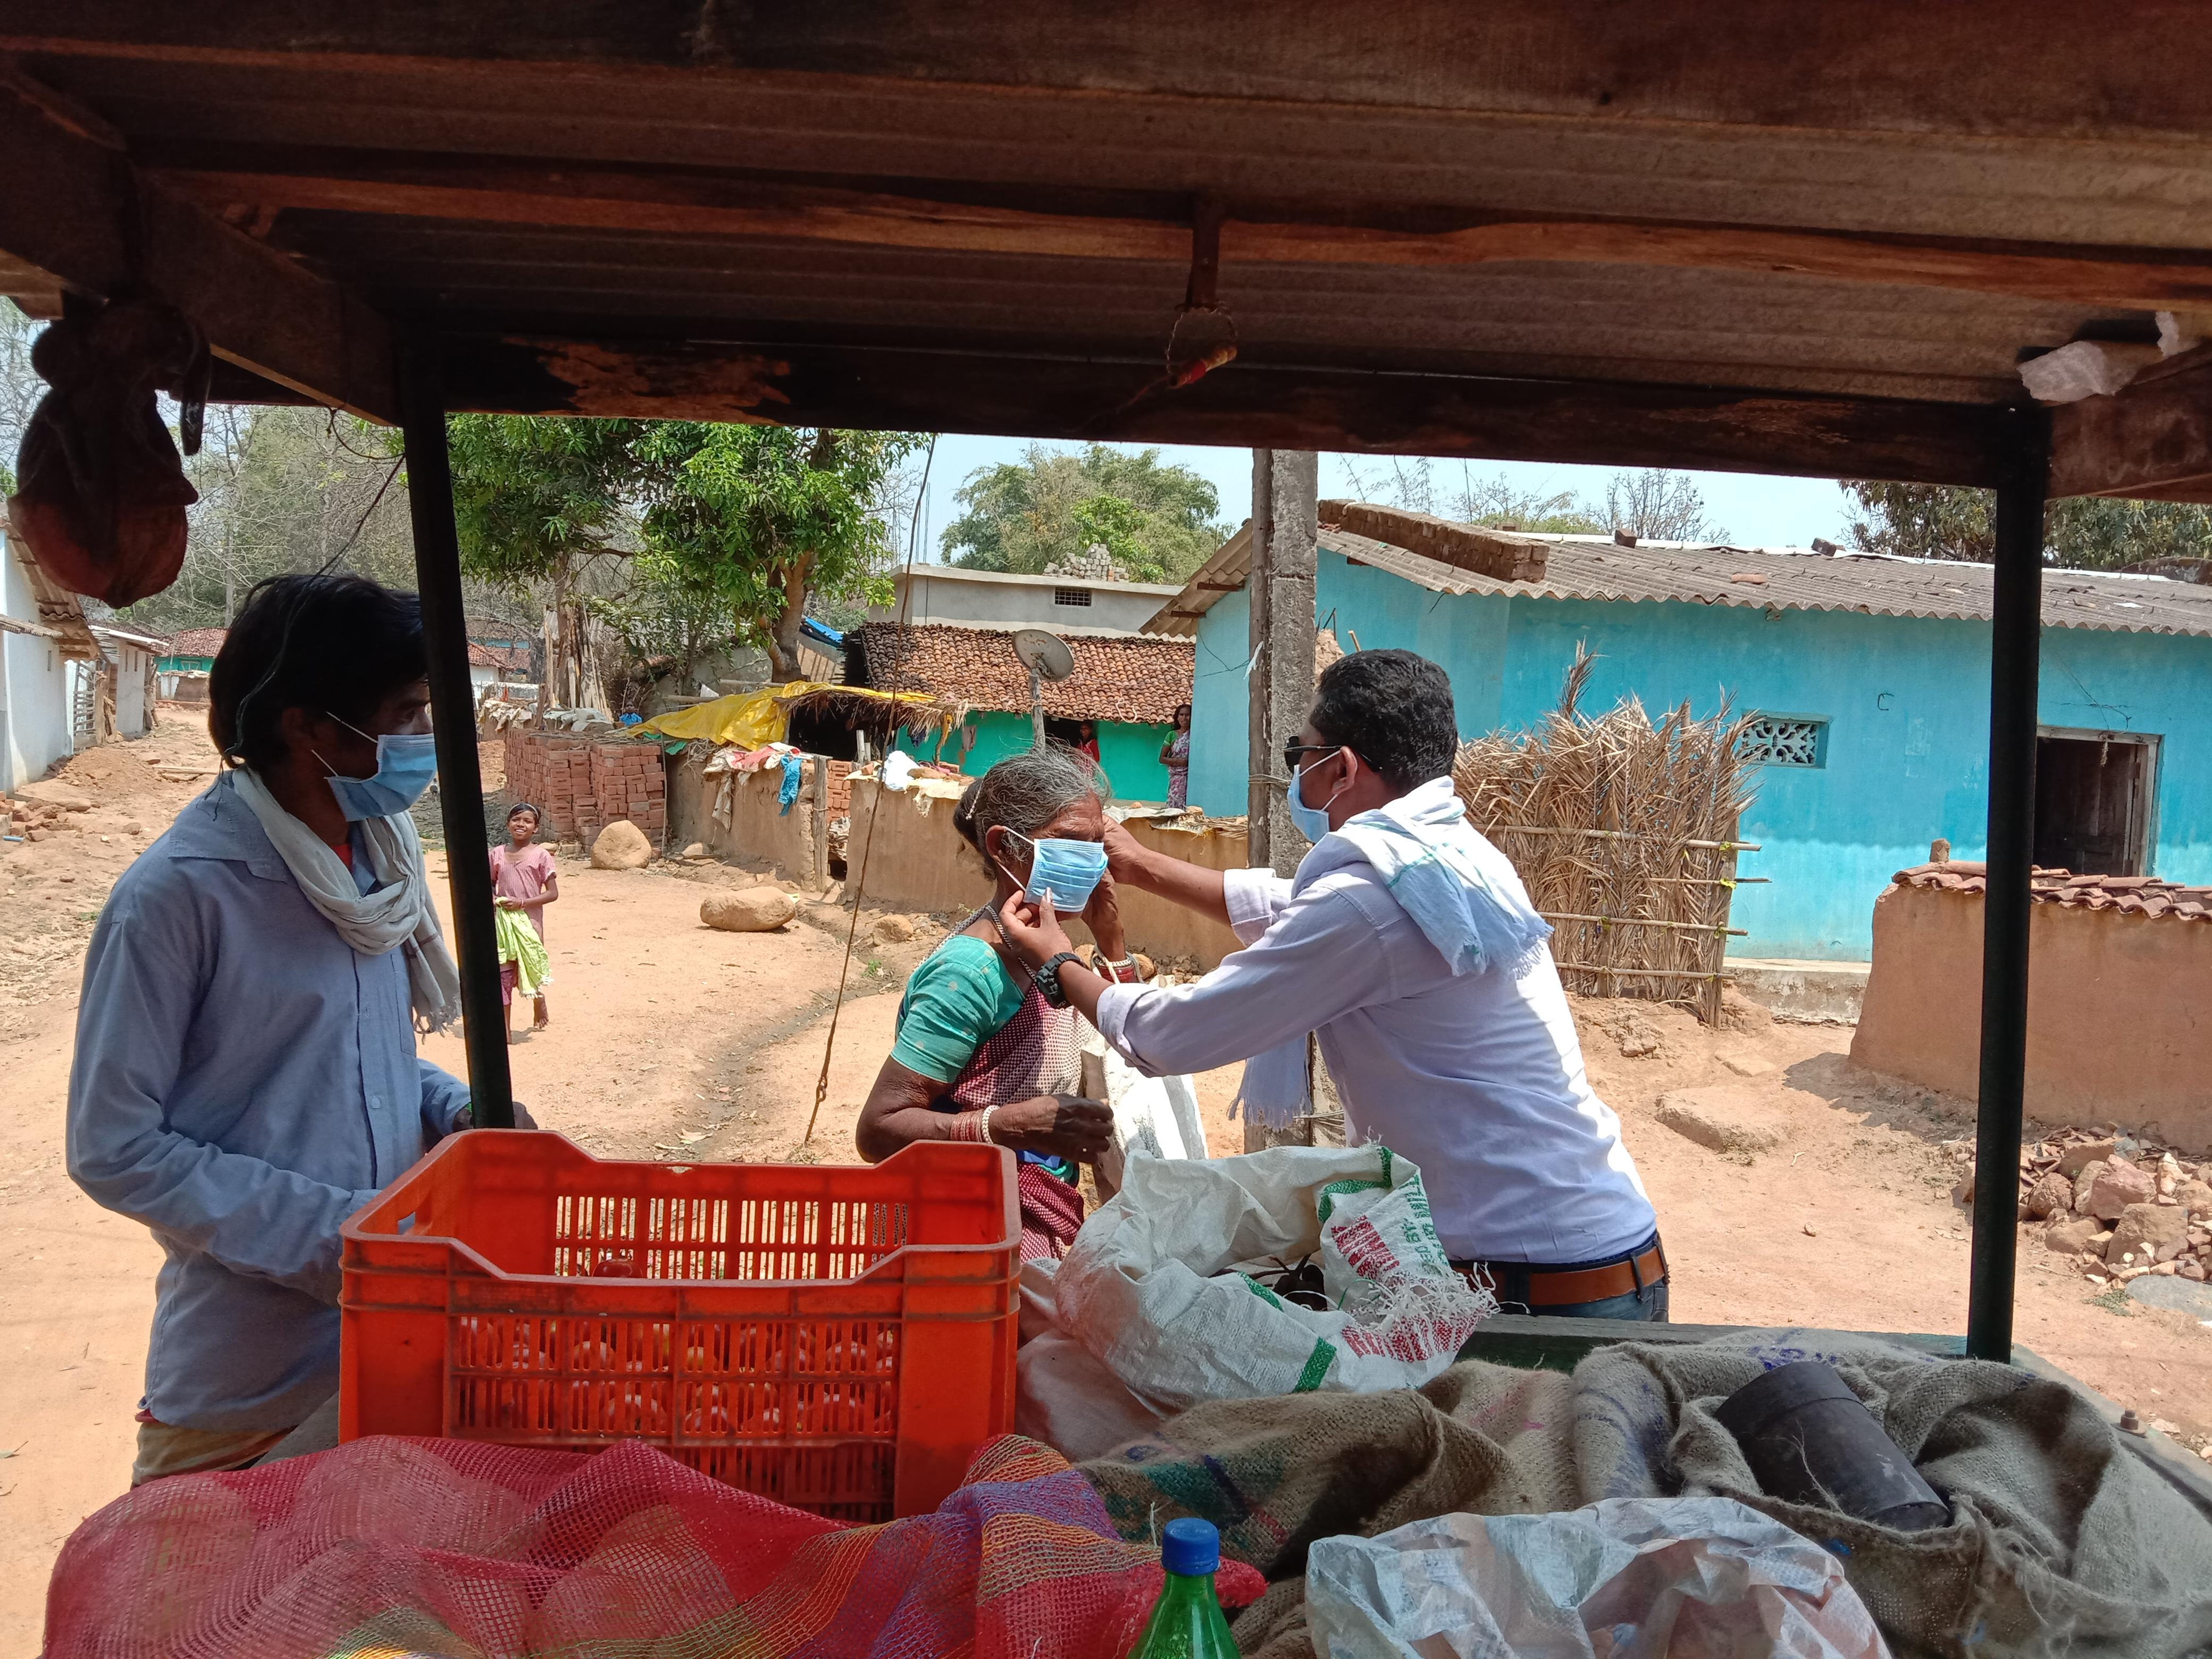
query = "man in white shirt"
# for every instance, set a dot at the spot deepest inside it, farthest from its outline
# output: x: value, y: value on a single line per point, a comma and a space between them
x: 1407, y: 943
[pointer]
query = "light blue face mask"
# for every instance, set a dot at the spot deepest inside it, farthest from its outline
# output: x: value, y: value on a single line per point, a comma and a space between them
x: 1071, y: 869
x: 1312, y: 822
x: 405, y: 763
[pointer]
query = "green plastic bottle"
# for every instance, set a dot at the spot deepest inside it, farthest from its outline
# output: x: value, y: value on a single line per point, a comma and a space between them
x: 1187, y: 1621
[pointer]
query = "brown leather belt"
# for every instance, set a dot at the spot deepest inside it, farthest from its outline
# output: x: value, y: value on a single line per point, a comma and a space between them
x: 1549, y: 1287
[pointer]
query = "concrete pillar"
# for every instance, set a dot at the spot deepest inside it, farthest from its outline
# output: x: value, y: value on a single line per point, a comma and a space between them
x: 1285, y: 522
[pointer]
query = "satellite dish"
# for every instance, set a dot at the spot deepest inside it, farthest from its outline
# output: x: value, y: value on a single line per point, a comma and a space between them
x: 1044, y: 654
x: 1047, y: 658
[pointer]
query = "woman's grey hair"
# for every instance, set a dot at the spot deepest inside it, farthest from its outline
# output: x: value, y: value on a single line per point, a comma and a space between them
x: 1023, y: 793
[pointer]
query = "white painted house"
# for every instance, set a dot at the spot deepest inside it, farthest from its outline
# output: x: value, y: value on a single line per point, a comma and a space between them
x: 45, y: 645
x: 1065, y: 605
x: 129, y: 680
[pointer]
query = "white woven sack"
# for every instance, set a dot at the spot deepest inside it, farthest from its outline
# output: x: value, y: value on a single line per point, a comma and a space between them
x: 1153, y: 1116
x: 1139, y: 1288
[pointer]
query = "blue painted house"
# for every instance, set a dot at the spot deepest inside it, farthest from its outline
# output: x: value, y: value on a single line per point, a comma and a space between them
x: 1870, y: 676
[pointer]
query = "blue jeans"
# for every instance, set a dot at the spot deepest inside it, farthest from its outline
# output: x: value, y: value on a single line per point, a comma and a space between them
x: 1511, y: 1282
x: 1650, y: 1307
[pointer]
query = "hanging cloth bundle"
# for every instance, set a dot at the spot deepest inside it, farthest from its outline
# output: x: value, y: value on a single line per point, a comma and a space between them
x: 102, y: 492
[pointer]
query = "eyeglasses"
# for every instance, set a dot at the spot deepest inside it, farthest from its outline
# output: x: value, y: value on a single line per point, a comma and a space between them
x: 1292, y: 751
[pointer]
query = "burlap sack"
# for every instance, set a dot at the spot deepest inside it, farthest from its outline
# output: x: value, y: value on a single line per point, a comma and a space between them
x: 2063, y: 1541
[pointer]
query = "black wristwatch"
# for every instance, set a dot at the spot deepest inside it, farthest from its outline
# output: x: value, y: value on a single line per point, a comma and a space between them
x: 1047, y: 979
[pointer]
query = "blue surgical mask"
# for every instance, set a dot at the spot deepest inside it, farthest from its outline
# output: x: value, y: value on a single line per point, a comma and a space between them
x: 405, y: 763
x: 1312, y: 822
x: 1071, y: 869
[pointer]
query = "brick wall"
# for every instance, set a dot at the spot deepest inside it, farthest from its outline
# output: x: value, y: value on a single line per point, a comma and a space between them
x: 627, y: 783
x: 582, y: 784
x: 841, y: 788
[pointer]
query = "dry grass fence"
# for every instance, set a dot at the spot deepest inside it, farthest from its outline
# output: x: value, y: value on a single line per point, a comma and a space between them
x: 1624, y: 832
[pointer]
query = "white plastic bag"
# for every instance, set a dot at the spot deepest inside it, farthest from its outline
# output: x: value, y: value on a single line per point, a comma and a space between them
x: 1153, y: 1116
x: 1626, y: 1578
x: 1139, y: 1289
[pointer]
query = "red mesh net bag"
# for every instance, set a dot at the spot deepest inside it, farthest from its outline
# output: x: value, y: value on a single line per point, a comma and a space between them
x: 387, y: 1547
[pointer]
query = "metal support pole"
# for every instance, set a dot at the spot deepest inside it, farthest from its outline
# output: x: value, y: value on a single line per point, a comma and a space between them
x: 460, y: 784
x: 1036, y: 708
x: 2014, y: 641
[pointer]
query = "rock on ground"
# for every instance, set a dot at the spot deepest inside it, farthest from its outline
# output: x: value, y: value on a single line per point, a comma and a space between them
x: 1739, y: 1013
x: 892, y: 930
x: 2177, y: 1293
x: 2194, y: 1197
x: 621, y: 846
x: 2070, y: 1236
x: 2151, y: 1232
x: 2117, y: 1186
x: 2076, y: 1159
x: 748, y: 909
x: 53, y: 792
x: 2052, y: 1195
x: 1714, y: 1119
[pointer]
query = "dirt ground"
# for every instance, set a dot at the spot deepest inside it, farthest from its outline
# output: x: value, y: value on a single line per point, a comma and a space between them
x: 671, y: 1039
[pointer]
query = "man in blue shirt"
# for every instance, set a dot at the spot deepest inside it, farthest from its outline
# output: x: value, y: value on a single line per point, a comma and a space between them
x: 245, y: 1074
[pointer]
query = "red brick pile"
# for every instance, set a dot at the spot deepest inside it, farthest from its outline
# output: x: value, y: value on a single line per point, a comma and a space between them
x: 582, y: 784
x: 2142, y: 896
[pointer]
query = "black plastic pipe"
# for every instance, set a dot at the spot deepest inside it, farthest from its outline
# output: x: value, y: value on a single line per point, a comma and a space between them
x: 453, y: 707
x: 2015, y: 639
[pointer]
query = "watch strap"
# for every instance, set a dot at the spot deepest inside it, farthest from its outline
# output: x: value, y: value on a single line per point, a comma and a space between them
x: 1047, y: 978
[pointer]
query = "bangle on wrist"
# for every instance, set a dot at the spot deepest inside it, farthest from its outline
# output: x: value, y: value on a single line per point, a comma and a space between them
x: 974, y: 1128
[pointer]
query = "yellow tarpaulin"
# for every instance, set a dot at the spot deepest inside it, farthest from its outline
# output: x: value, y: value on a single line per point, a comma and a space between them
x: 748, y: 720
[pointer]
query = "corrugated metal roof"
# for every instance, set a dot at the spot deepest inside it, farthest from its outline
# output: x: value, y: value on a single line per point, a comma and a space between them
x: 1762, y: 578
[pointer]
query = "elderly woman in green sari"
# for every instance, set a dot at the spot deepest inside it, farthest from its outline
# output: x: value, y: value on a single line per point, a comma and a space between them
x: 986, y: 1050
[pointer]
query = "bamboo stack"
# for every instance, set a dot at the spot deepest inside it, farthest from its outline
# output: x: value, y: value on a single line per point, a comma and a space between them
x: 1624, y: 832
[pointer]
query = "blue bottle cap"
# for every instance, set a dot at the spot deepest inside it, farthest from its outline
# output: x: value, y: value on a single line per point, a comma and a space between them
x: 1190, y: 1547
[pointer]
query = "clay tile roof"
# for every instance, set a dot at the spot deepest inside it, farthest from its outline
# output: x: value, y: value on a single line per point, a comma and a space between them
x: 2143, y: 896
x: 1136, y: 680
x: 502, y: 657
x: 198, y: 642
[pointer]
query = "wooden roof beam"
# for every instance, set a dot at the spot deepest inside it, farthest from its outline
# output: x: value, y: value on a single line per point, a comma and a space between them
x: 2152, y: 440
x: 74, y: 210
x: 471, y: 190
x: 2077, y: 73
x: 1247, y: 404
x: 1497, y: 553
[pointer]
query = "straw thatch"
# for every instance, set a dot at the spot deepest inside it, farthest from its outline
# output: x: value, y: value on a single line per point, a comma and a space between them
x: 1624, y: 835
x: 880, y: 716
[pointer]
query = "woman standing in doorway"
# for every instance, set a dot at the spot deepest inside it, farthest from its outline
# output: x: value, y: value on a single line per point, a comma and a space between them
x: 1175, y: 755
x: 523, y: 879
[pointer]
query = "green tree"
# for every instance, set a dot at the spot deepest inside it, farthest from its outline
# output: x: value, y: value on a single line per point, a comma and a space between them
x: 2080, y: 533
x: 20, y: 388
x: 533, y: 499
x: 748, y: 524
x: 1157, y: 520
x: 764, y: 517
x: 1109, y: 522
x: 282, y: 489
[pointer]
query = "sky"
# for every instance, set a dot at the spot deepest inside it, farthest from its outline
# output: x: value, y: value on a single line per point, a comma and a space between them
x: 1756, y: 510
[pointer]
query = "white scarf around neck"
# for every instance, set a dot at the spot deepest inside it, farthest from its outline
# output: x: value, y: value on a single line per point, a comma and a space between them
x: 1459, y: 891
x: 396, y: 915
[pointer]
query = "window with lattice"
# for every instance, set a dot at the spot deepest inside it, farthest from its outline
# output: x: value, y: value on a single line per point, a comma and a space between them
x: 1071, y: 596
x: 1785, y: 740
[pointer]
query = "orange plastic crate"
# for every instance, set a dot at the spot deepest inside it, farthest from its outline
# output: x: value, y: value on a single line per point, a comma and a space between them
x: 840, y: 1339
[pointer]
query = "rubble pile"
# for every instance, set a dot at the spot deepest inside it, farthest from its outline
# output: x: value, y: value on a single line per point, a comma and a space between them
x: 2115, y: 1206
